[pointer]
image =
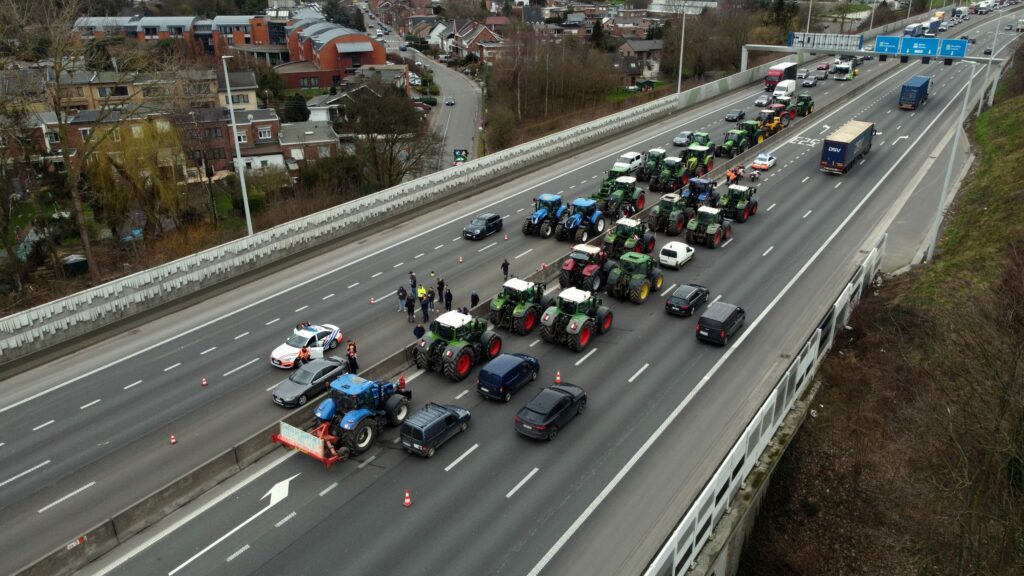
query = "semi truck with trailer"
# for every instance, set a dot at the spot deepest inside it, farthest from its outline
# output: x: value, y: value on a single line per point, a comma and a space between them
x: 844, y: 146
x: 914, y: 92
x: 778, y: 73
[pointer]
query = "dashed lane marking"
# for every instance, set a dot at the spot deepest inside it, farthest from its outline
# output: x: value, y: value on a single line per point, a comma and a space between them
x: 669, y: 289
x: 329, y: 488
x: 238, y: 553
x: 726, y: 243
x: 638, y: 373
x: 534, y: 343
x: 806, y: 178
x: 233, y: 370
x: 353, y: 285
x: 491, y: 245
x: 379, y: 273
x: 208, y: 350
x: 272, y: 387
x: 300, y: 309
x: 769, y: 209
x: 366, y: 462
x: 133, y: 384
x: 770, y: 248
x: 418, y: 256
x: 516, y: 488
x: 523, y: 254
x: 808, y: 213
x: 244, y: 334
x: 717, y: 298
x: 456, y: 239
x: 93, y: 403
x: 172, y: 367
x: 838, y: 184
x: 29, y: 471
x: 588, y: 355
x: 399, y: 264
x: 520, y: 210
x: 439, y: 246
x: 63, y: 498
x: 282, y: 521
x: 267, y: 323
x: 460, y: 458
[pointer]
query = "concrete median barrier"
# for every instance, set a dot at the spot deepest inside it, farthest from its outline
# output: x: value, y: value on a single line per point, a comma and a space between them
x: 76, y: 553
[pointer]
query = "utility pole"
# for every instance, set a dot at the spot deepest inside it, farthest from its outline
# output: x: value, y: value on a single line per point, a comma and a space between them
x: 239, y: 165
x: 949, y: 167
x: 988, y: 67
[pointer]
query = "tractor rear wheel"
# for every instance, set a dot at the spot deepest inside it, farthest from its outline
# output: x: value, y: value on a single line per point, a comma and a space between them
x: 579, y: 341
x: 361, y: 439
x: 604, y: 319
x: 582, y: 235
x: 422, y: 361
x: 600, y: 225
x: 560, y: 231
x: 397, y: 408
x: 495, y: 317
x: 545, y: 230
x: 595, y: 283
x: 547, y: 333
x: 677, y: 227
x: 565, y: 278
x: 689, y: 237
x: 527, y: 227
x: 525, y: 324
x: 648, y: 243
x: 638, y: 291
x: 491, y: 343
x: 641, y: 201
x: 458, y: 366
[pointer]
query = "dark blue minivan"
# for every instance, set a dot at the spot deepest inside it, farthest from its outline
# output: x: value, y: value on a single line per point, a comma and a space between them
x: 507, y: 374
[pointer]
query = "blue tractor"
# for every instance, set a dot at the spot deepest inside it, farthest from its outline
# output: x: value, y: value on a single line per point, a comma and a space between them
x: 548, y: 211
x: 582, y: 222
x: 700, y: 192
x: 356, y: 410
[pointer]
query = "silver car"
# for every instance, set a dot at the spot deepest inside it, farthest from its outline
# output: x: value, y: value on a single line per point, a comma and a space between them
x: 683, y: 138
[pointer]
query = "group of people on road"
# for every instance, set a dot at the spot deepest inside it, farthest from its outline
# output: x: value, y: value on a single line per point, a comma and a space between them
x: 735, y: 174
x: 305, y: 355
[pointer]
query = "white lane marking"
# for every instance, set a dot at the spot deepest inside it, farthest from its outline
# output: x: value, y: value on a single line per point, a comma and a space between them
x: 638, y: 373
x: 461, y: 394
x: 523, y: 254
x: 272, y: 387
x: 587, y: 355
x: 520, y: 210
x: 460, y: 458
x: 808, y: 213
x: 329, y: 488
x: 352, y: 285
x: 366, y: 462
x: 516, y: 488
x: 63, y: 498
x: 415, y: 375
x: 379, y: 298
x: 506, y: 216
x: 438, y: 247
x: 399, y: 264
x: 29, y: 471
x: 717, y: 298
x: 571, y: 187
x: 534, y: 343
x: 377, y: 274
x: 373, y: 254
x: 2, y: 444
x: 888, y: 111
x: 93, y: 403
x: 668, y: 421
x: 769, y: 209
x: 861, y: 163
x: 900, y: 126
x: 726, y: 243
x: 133, y: 384
x: 282, y: 521
x: 301, y: 308
x: 838, y: 184
x: 418, y: 256
x: 669, y: 289
x: 456, y: 239
x: 883, y: 143
x: 238, y: 553
x: 271, y: 322
x: 329, y: 296
x: 233, y: 370
x: 208, y: 350
x: 898, y: 138
x: 242, y: 335
x: 491, y: 245
x: 172, y: 367
x: 806, y: 178
x: 770, y: 248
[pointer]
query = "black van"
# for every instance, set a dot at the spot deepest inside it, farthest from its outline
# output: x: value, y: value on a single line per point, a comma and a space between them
x: 719, y: 322
x: 425, y: 431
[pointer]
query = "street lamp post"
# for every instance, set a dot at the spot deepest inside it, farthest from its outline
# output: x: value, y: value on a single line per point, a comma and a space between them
x: 239, y: 165
x: 988, y: 67
x: 874, y: 5
x: 949, y: 166
x: 809, y: 9
x: 682, y: 37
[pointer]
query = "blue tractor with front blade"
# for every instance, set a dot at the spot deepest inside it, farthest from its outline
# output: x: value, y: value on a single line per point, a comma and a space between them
x: 548, y: 211
x: 583, y: 222
x: 356, y: 410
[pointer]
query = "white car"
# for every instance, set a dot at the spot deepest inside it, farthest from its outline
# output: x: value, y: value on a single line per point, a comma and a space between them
x: 675, y: 254
x: 317, y: 338
x: 631, y: 161
x: 763, y: 162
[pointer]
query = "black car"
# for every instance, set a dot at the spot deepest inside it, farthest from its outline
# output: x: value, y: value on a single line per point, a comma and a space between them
x: 482, y: 226
x: 987, y: 51
x: 550, y: 410
x: 308, y: 381
x: 426, y: 430
x: 720, y: 322
x: 735, y: 115
x: 685, y: 299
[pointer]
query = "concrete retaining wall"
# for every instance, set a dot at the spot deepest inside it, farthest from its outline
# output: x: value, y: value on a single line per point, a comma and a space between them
x: 77, y: 553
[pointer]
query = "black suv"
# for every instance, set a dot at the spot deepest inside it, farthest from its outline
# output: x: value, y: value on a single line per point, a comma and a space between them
x: 720, y: 322
x: 433, y: 425
x: 482, y: 226
x: 685, y: 299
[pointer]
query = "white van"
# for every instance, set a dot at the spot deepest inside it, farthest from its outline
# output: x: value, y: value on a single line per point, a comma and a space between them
x: 784, y: 88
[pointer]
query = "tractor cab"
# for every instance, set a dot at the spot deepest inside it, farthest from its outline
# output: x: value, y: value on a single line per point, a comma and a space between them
x: 572, y: 301
x: 701, y: 188
x: 549, y: 202
x: 655, y: 156
x: 585, y: 254
x: 517, y: 290
x: 585, y: 207
x: 668, y: 202
x: 707, y: 215
x: 765, y: 115
x: 626, y: 227
x: 672, y: 164
x: 737, y: 192
x: 347, y: 393
x: 634, y: 263
x: 701, y: 138
x: 453, y: 326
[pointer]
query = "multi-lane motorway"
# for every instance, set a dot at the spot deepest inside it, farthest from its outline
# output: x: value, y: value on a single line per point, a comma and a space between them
x: 85, y: 435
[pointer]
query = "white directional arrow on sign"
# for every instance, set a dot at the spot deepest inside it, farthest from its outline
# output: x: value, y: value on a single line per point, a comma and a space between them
x: 277, y: 493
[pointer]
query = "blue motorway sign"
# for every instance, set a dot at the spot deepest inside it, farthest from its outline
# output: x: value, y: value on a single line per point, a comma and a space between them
x: 953, y: 48
x: 887, y: 45
x: 919, y: 46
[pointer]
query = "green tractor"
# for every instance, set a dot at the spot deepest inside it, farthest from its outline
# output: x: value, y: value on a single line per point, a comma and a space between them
x: 699, y: 160
x: 736, y: 142
x: 623, y: 197
x: 456, y: 342
x: 709, y: 227
x: 574, y: 319
x: 670, y: 215
x: 754, y: 131
x: 651, y: 164
x: 672, y: 176
x: 703, y: 139
x: 628, y: 235
x: 634, y: 277
x: 804, y: 104
x: 519, y: 305
x: 739, y: 202
x: 614, y: 174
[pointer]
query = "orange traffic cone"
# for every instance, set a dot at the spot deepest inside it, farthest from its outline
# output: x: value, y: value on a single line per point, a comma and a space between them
x: 408, y: 500
x: 173, y: 440
x: 460, y: 259
x: 372, y: 301
x: 204, y: 382
x: 506, y: 235
x: 401, y: 381
x: 558, y: 376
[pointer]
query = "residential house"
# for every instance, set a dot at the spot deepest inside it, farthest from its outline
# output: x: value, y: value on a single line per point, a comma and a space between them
x: 258, y: 132
x: 437, y: 35
x: 243, y: 91
x: 642, y: 49
x: 629, y: 69
x: 303, y: 142
x: 497, y: 24
x: 628, y: 27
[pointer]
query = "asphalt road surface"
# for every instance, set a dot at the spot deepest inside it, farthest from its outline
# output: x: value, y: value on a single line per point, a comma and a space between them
x: 85, y: 435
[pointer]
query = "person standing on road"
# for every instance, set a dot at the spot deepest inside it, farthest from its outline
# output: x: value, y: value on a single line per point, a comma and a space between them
x: 504, y: 268
x: 447, y: 299
x: 412, y: 280
x: 474, y: 299
x: 353, y: 365
x: 401, y: 297
x: 431, y: 296
x: 410, y: 307
x: 440, y: 287
x: 421, y: 292
x: 424, y: 306
x: 419, y: 331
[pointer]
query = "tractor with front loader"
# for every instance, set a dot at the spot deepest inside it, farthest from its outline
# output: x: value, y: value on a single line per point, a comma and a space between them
x: 574, y: 319
x: 582, y: 222
x: 455, y: 343
x: 754, y: 131
x: 739, y: 202
x: 519, y: 305
x: 634, y: 276
x: 586, y: 268
x: 709, y: 227
x: 548, y: 210
x: 670, y: 215
x: 771, y: 123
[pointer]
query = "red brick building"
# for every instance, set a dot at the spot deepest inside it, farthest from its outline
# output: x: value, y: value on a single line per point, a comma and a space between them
x: 321, y: 54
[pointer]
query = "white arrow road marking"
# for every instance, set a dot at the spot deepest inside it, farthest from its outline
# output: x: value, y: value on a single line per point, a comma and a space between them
x: 277, y: 493
x: 824, y: 128
x: 899, y: 138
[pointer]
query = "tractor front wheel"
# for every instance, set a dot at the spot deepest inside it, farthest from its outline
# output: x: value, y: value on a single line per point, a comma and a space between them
x: 397, y: 408
x: 600, y: 225
x: 361, y: 439
x: 641, y: 201
x: 604, y: 319
x: 547, y: 333
x: 545, y: 230
x: 579, y: 341
x: 527, y: 227
x: 582, y: 235
x: 491, y: 343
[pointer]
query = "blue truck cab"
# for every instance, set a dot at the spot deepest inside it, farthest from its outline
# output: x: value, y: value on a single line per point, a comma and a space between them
x: 914, y: 92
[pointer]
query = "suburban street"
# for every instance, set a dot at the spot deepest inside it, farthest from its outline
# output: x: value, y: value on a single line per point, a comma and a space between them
x: 76, y: 428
